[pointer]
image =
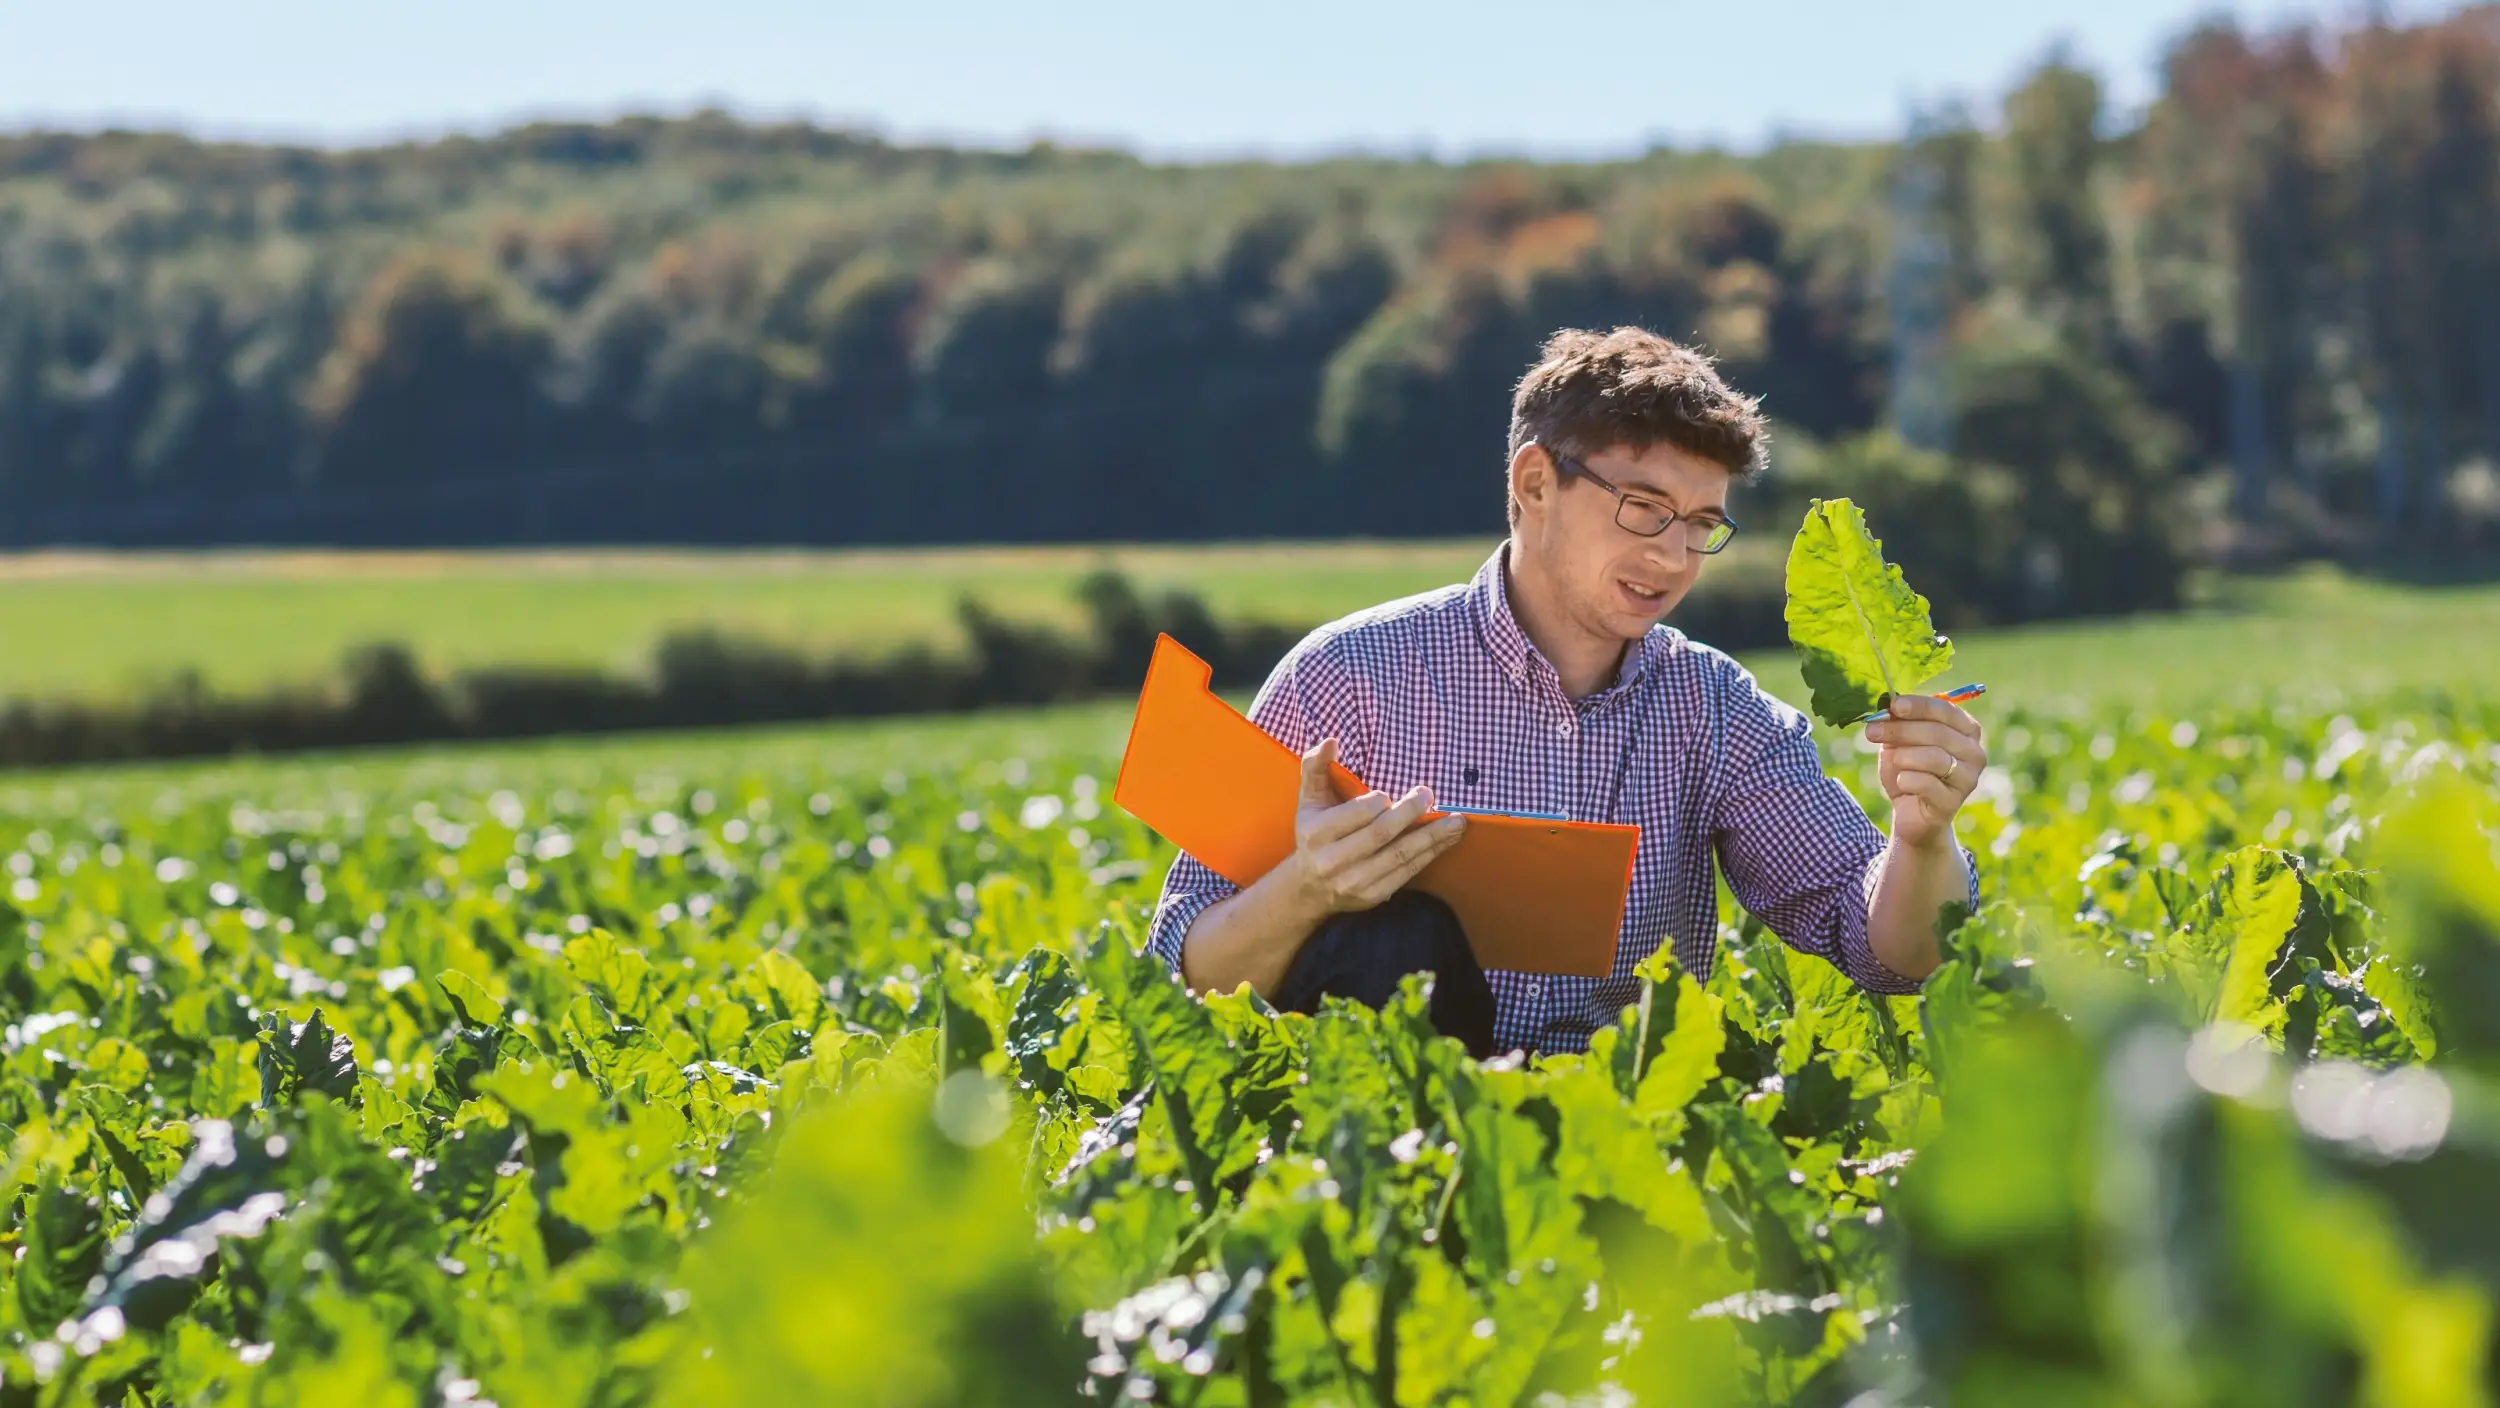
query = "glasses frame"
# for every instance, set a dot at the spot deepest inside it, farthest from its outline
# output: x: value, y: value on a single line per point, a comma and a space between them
x: 1570, y: 465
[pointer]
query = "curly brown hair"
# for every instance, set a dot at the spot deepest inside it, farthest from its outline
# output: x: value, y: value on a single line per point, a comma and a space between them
x: 1590, y: 392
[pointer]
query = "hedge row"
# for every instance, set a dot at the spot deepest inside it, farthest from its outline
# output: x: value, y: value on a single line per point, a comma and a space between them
x: 701, y: 679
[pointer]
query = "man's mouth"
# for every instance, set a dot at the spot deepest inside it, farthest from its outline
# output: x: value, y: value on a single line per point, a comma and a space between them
x: 1641, y: 597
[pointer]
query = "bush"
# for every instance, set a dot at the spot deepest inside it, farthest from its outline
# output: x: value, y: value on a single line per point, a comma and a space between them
x: 704, y: 679
x: 1955, y: 526
x: 2061, y: 498
x: 698, y: 679
x: 2095, y: 472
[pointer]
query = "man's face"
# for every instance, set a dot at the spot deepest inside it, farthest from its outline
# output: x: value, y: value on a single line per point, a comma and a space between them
x: 1612, y: 583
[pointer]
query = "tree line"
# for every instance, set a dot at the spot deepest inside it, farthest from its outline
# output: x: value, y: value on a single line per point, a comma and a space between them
x: 2060, y: 354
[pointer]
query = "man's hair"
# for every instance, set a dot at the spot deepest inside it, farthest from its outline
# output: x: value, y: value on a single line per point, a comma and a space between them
x: 1590, y: 392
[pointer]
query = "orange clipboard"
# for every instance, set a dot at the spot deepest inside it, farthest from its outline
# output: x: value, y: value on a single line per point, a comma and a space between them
x: 1534, y: 896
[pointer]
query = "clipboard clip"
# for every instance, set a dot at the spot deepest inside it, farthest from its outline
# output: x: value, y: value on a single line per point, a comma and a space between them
x: 1494, y: 811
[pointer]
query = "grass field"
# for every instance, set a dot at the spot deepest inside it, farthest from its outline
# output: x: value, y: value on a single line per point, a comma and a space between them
x: 106, y: 625
x: 2313, y: 635
x: 93, y: 625
x: 2304, y: 640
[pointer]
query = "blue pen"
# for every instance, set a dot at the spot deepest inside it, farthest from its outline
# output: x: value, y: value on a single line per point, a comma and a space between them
x: 1523, y: 816
x: 1959, y: 694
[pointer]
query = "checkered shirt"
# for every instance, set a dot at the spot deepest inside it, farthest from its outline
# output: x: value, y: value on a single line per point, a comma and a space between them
x: 1445, y: 689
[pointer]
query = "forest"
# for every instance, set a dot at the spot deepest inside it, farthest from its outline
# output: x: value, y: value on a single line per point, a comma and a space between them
x: 2062, y: 351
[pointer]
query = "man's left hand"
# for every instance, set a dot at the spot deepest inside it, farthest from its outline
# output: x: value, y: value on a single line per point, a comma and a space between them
x: 1931, y: 758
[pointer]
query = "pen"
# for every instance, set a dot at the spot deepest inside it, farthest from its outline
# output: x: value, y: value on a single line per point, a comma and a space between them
x: 1959, y: 694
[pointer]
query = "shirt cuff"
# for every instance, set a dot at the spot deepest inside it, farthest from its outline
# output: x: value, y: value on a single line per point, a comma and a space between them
x: 1857, y: 950
x: 1174, y: 916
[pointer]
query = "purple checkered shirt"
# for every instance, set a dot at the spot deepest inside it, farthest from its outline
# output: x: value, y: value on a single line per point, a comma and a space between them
x: 1445, y: 689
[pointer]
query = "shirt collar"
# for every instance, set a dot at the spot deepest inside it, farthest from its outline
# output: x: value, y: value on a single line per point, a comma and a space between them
x: 1517, y: 655
x: 1510, y: 645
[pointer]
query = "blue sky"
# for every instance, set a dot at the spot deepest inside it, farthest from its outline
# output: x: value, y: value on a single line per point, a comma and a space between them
x: 1280, y: 77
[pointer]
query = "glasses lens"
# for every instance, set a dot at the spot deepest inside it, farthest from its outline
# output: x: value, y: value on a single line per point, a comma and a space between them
x: 1643, y: 517
x: 1710, y: 537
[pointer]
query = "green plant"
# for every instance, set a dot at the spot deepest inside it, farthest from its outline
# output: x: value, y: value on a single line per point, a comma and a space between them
x: 532, y: 1077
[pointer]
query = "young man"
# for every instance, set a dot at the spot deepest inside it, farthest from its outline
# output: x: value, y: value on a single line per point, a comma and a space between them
x: 1548, y: 685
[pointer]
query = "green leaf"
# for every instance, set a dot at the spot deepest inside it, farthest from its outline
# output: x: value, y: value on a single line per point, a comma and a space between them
x: 1036, y: 1022
x: 1193, y: 1067
x: 787, y: 984
x: 60, y: 1235
x: 1860, y: 632
x: 306, y: 1056
x: 957, y: 1310
x: 134, y: 1173
x: 1689, y: 1059
x: 2444, y: 912
x: 1607, y: 1149
x: 470, y: 1001
x: 2392, y: 984
x: 2260, y: 900
x: 617, y: 972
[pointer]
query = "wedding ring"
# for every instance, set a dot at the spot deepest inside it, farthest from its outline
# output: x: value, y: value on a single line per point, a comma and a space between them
x: 1955, y: 767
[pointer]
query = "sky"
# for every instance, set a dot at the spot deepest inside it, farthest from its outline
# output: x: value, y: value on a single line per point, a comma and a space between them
x: 1286, y: 78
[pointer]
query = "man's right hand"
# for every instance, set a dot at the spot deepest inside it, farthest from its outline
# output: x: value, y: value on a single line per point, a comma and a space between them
x: 1353, y: 854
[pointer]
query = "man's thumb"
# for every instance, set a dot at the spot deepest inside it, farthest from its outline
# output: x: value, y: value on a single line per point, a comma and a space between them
x: 1318, y: 787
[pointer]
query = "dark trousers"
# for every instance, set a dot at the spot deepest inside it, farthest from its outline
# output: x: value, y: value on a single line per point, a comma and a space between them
x: 1363, y: 955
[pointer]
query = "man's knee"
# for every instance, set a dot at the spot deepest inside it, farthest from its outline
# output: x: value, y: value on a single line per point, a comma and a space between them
x: 1363, y: 955
x: 1420, y: 930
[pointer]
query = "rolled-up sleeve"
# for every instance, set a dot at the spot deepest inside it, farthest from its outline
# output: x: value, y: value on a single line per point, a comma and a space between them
x: 1189, y: 890
x: 1302, y: 698
x: 1797, y: 849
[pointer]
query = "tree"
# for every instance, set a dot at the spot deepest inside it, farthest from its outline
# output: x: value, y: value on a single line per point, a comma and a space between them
x: 986, y: 343
x: 2235, y: 193
x: 2057, y: 256
x: 2095, y: 470
x: 437, y: 370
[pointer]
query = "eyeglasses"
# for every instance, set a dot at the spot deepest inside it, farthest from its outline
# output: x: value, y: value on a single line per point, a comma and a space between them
x: 1647, y: 517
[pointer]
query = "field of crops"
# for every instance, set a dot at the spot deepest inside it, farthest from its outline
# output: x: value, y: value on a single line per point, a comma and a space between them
x: 817, y: 1068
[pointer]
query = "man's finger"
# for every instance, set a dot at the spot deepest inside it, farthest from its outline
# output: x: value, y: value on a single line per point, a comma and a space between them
x: 1391, y: 871
x: 1387, y: 872
x: 1319, y: 782
x: 1933, y: 762
x: 1897, y: 731
x: 1927, y: 708
x: 1354, y: 854
x: 1940, y: 796
x: 1343, y: 819
x: 1383, y: 828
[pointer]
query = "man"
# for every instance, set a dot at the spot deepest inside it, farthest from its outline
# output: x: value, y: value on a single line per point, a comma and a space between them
x: 1548, y: 685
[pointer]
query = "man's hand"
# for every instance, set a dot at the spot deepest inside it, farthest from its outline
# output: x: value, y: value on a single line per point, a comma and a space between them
x: 1351, y: 855
x: 1931, y: 756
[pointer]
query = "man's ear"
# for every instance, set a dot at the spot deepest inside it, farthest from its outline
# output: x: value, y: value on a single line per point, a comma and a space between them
x: 1533, y: 479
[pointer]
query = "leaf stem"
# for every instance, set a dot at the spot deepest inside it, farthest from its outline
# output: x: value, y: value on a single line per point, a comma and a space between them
x: 1873, y: 642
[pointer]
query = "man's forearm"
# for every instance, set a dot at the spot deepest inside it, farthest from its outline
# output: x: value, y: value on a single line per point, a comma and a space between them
x: 1251, y: 937
x: 1912, y: 885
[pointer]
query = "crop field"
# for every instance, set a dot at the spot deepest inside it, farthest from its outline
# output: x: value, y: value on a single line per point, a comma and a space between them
x: 816, y: 1066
